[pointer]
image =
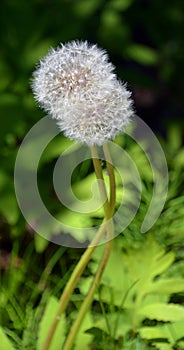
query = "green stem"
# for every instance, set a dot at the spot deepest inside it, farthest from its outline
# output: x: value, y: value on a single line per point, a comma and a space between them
x: 88, y: 300
x: 101, y: 183
x: 63, y: 302
x: 110, y: 171
x: 108, y: 211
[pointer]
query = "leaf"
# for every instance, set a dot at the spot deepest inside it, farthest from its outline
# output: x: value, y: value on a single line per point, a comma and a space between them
x: 45, y: 324
x: 40, y: 243
x: 85, y: 284
x: 142, y: 54
x: 5, y: 342
x: 84, y: 339
x: 55, y: 148
x: 163, y: 312
x: 179, y: 159
x: 73, y: 220
x: 115, y: 280
x: 120, y: 5
x: 13, y: 112
x: 181, y: 344
x: 153, y: 333
x: 119, y: 324
x: 137, y: 269
x: 163, y: 346
x: 170, y: 331
x: 8, y: 203
x: 83, y: 191
x: 167, y: 286
x: 174, y: 135
x: 135, y: 285
x: 145, y: 263
x: 176, y: 330
x: 9, y: 208
x: 34, y: 50
x: 162, y: 263
x: 86, y: 8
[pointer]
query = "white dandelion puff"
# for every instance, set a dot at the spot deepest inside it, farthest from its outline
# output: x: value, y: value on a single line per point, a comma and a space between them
x: 77, y: 86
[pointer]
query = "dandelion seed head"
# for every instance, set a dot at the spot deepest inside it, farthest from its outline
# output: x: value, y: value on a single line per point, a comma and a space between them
x: 77, y: 86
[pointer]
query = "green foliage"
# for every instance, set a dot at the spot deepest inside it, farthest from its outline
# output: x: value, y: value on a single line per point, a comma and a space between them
x: 136, y: 293
x: 133, y: 304
x: 141, y: 283
x: 140, y: 301
x: 5, y: 342
x: 137, y: 38
x: 142, y: 54
x: 170, y: 332
x: 45, y: 324
x: 84, y: 338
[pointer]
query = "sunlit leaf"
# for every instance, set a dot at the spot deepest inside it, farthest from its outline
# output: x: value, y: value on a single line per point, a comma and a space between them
x: 45, y: 324
x: 170, y: 331
x: 5, y: 342
x: 84, y: 339
x: 163, y: 346
x: 167, y: 286
x: 119, y: 324
x: 40, y: 243
x: 163, y: 312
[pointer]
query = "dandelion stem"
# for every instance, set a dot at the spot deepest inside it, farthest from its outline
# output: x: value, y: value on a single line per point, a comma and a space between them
x: 106, y: 226
x: 89, y: 298
x: 63, y: 302
x: 101, y: 183
x: 110, y: 171
x: 108, y: 212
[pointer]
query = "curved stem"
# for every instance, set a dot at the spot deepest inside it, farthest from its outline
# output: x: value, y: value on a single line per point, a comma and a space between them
x: 108, y: 211
x: 88, y: 300
x: 63, y: 302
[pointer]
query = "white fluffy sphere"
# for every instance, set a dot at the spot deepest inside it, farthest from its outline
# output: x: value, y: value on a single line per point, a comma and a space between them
x: 77, y: 85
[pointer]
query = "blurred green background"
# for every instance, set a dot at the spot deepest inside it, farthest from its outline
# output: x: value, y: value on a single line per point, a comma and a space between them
x: 144, y: 40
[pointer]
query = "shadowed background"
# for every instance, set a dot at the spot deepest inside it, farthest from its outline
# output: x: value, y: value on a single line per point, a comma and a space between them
x: 144, y: 40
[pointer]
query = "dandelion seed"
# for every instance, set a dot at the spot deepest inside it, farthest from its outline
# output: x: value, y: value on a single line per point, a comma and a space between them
x: 77, y: 86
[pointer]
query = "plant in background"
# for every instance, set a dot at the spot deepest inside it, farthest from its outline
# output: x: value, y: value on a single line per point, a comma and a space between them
x: 77, y: 86
x: 138, y: 295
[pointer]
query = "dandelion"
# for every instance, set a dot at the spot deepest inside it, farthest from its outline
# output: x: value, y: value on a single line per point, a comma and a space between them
x: 77, y: 86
